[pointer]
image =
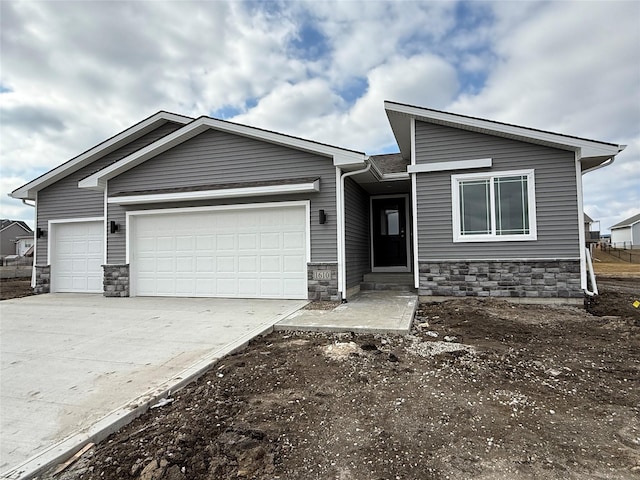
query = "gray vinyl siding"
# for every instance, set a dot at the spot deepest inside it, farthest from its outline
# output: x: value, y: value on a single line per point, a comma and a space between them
x: 64, y: 199
x: 357, y: 249
x: 555, y: 192
x: 215, y: 157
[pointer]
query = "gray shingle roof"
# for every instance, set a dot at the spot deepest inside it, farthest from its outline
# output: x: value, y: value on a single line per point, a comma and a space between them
x: 390, y: 163
x: 628, y: 222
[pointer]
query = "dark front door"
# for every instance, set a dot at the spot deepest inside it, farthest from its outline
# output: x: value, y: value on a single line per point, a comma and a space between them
x: 389, y: 235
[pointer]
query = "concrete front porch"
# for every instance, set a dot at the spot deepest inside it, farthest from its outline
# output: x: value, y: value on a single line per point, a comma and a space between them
x: 366, y: 312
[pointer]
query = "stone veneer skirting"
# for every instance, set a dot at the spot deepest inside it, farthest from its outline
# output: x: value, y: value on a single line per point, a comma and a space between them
x: 43, y: 279
x: 116, y: 280
x: 322, y: 281
x: 515, y: 279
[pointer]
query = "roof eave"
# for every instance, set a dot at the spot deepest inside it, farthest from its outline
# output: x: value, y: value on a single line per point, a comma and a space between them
x: 400, y: 115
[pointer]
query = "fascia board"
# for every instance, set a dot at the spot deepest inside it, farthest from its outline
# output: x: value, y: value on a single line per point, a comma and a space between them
x: 586, y: 148
x: 341, y: 157
x: 27, y: 191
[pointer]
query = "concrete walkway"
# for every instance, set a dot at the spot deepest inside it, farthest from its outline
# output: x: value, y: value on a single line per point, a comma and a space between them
x: 366, y: 312
x: 76, y: 367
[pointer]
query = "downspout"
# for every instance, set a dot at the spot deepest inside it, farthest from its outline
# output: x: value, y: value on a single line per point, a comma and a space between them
x: 342, y: 227
x: 35, y: 240
x: 592, y: 276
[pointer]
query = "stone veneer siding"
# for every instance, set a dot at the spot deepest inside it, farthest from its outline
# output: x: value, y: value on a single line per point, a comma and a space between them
x: 116, y: 280
x: 519, y: 279
x: 325, y: 289
x: 43, y: 279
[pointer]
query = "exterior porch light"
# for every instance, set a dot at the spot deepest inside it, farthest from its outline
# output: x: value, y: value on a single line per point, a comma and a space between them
x: 113, y: 227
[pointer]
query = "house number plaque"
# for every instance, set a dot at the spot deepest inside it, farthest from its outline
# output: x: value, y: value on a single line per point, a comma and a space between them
x: 322, y: 274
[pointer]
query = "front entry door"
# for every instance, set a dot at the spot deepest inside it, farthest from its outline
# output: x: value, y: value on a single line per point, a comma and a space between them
x: 389, y: 234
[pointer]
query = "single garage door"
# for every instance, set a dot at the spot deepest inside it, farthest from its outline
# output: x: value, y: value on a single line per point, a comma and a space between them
x: 258, y: 252
x: 77, y: 256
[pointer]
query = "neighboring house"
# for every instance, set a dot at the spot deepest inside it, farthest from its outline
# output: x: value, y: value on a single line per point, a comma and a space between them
x: 10, y: 231
x: 591, y: 235
x: 175, y: 206
x: 24, y: 243
x: 626, y: 234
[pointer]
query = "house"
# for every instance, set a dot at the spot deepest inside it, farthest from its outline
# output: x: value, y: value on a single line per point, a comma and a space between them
x: 13, y: 232
x: 24, y: 243
x: 591, y: 235
x: 626, y: 234
x: 175, y: 206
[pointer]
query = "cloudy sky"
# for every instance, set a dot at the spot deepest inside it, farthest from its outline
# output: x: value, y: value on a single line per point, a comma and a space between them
x: 75, y: 73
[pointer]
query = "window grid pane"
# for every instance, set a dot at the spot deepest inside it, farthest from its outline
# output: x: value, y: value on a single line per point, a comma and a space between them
x: 512, y: 205
x: 474, y: 207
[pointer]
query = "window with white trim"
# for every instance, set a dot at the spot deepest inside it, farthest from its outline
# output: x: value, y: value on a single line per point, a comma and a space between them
x: 494, y: 207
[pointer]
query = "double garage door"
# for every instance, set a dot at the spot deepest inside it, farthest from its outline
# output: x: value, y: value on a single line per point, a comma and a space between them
x: 258, y: 252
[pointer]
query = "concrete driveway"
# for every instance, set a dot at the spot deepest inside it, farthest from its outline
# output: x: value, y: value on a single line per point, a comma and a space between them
x: 71, y: 360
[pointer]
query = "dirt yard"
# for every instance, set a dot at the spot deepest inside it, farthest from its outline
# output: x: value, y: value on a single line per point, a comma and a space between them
x: 15, y: 288
x: 480, y: 389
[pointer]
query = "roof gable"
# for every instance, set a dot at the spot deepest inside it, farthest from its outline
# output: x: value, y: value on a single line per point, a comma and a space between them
x: 6, y: 224
x: 592, y: 153
x: 340, y: 156
x: 29, y: 190
x: 628, y: 222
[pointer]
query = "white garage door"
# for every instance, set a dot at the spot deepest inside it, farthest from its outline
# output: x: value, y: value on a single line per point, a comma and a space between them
x: 244, y: 253
x: 77, y: 256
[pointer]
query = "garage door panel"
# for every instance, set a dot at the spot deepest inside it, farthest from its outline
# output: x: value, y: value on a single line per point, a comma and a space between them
x: 271, y: 287
x: 270, y: 241
x: 225, y: 264
x: 165, y: 244
x: 293, y: 240
x: 205, y: 242
x: 184, y: 264
x: 293, y: 264
x: 165, y: 265
x: 77, y: 255
x: 247, y: 241
x: 225, y: 242
x: 250, y: 253
x: 248, y: 264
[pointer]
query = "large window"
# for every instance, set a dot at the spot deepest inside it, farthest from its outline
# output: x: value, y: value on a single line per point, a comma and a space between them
x: 494, y: 207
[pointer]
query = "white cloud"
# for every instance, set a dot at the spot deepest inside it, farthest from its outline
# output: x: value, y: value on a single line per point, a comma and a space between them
x: 313, y: 110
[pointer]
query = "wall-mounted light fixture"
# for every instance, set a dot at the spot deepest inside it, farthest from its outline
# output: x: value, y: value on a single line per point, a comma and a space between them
x: 322, y: 217
x: 40, y: 233
x: 113, y: 227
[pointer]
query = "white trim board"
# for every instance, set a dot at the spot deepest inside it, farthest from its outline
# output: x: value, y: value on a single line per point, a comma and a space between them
x: 216, y: 194
x: 452, y: 165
